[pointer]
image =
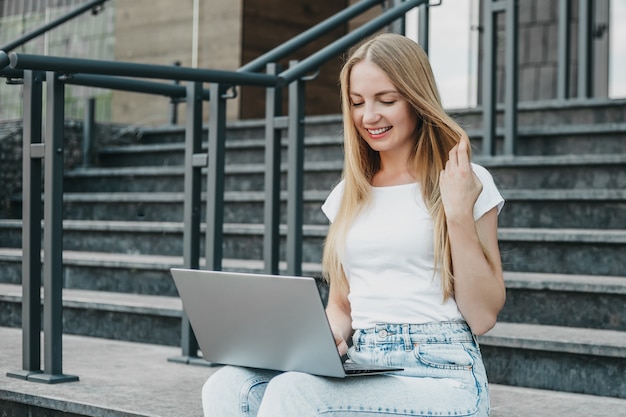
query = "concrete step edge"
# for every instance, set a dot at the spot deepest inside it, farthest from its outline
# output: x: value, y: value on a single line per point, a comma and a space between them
x: 565, y: 282
x: 600, y: 236
x: 151, y: 262
x: 559, y: 130
x: 584, y: 341
x: 155, y: 171
x: 310, y: 140
x: 574, y: 340
x: 513, y: 280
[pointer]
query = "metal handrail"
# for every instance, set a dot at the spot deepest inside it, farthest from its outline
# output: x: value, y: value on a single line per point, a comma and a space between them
x: 309, y: 35
x: 130, y: 69
x: 57, y: 71
x: 4, y: 59
x: 314, y: 61
x: 92, y: 5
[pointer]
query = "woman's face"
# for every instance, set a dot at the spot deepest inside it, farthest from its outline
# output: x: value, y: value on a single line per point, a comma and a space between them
x: 383, y: 118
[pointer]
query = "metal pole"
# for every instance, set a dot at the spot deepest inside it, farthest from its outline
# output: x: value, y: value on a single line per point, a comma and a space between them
x: 215, y: 178
x: 174, y: 101
x: 489, y: 80
x: 511, y: 90
x: 271, y: 242
x: 53, y: 236
x: 399, y: 25
x: 584, y: 48
x: 295, y: 176
x: 32, y: 155
x: 423, y: 26
x: 93, y: 5
x: 194, y: 162
x: 89, y: 125
x: 563, y: 77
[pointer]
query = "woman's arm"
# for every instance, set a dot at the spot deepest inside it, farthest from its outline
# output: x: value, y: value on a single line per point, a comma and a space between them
x: 478, y: 282
x: 338, y: 313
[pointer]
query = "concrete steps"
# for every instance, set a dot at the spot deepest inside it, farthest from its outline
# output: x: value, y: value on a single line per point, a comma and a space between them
x: 562, y: 237
x: 124, y: 379
x: 588, y: 361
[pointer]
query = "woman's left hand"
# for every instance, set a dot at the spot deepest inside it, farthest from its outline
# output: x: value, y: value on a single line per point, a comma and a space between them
x: 458, y: 184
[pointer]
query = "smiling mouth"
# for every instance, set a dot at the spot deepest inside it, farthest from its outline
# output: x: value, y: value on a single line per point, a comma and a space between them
x: 379, y: 131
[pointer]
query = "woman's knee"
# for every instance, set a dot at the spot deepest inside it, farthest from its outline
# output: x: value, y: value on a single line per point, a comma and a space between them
x: 292, y: 393
x: 234, y: 391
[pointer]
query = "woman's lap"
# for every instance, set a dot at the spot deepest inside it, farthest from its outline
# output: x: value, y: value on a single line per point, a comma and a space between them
x: 439, y: 379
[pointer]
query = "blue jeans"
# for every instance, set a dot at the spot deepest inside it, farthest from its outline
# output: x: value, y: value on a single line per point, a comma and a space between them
x: 443, y: 375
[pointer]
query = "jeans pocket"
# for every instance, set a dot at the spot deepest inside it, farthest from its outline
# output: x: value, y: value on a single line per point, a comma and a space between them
x: 444, y: 356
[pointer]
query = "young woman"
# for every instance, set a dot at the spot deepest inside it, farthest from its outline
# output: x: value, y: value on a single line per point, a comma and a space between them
x: 411, y: 256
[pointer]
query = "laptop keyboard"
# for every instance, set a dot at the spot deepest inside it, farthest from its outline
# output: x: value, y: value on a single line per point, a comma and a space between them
x: 359, y: 368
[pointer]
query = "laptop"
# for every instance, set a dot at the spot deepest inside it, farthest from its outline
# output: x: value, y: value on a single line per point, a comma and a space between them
x: 272, y: 322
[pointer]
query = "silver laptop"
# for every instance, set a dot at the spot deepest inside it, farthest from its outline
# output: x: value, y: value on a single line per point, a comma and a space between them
x: 262, y: 321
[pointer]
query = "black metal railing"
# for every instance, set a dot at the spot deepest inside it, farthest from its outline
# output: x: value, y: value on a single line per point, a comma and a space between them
x: 94, y: 6
x: 58, y: 71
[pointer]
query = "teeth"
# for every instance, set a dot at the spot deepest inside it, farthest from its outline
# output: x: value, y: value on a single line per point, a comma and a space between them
x: 379, y: 131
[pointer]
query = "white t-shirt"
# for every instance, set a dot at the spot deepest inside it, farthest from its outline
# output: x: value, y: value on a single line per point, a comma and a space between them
x: 389, y: 255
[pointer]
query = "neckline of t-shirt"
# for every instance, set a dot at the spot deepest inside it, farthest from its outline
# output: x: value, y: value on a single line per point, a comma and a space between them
x: 391, y: 187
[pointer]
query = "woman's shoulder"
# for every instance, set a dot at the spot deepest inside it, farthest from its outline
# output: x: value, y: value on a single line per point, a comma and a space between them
x: 331, y: 205
x: 490, y: 196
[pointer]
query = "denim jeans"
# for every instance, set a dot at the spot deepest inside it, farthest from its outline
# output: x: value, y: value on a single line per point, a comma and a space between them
x: 443, y: 375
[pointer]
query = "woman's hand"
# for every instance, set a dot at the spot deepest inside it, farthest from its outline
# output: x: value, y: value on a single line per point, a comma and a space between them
x: 458, y: 184
x: 342, y: 346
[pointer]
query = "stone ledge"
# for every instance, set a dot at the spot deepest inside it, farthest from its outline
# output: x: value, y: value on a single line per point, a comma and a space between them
x: 582, y: 341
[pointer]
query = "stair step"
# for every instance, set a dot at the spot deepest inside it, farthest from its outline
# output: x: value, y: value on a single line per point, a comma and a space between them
x: 588, y: 361
x: 564, y: 208
x: 127, y: 273
x: 558, y: 208
x: 565, y: 300
x: 238, y: 151
x: 569, y: 251
x: 582, y: 341
x: 541, y: 172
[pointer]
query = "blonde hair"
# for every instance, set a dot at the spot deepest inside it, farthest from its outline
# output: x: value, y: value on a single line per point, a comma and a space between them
x: 406, y: 65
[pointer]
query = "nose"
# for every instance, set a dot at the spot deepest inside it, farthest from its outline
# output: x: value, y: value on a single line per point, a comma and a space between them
x: 370, y: 114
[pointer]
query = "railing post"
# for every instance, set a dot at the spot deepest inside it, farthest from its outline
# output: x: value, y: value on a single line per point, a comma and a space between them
x: 563, y: 78
x: 399, y: 25
x: 271, y: 238
x: 489, y: 79
x: 32, y: 155
x: 423, y: 26
x: 89, y: 124
x: 491, y: 9
x: 584, y: 48
x: 174, y: 101
x: 194, y: 162
x: 295, y: 176
x: 215, y: 178
x: 511, y: 70
x: 53, y: 235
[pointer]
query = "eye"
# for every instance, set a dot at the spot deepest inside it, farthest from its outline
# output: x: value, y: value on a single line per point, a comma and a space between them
x: 388, y: 102
x: 356, y: 104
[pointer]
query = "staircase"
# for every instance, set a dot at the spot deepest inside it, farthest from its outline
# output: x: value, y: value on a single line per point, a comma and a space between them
x: 562, y: 238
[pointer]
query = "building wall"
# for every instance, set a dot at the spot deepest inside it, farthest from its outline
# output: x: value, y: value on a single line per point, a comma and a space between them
x: 537, y: 50
x: 161, y: 32
x: 269, y: 23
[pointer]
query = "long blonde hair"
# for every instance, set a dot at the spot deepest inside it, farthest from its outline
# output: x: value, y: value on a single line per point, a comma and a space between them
x: 406, y: 65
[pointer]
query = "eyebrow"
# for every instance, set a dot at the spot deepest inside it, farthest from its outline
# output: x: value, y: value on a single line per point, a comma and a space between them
x: 380, y: 93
